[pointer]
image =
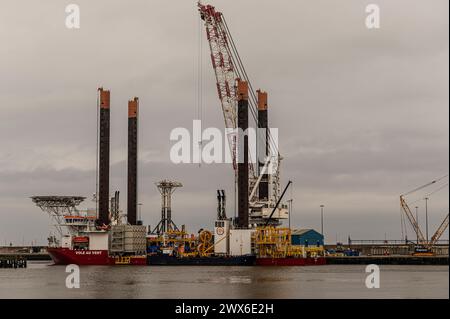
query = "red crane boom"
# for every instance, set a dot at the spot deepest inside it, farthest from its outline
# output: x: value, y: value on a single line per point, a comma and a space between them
x: 223, y: 69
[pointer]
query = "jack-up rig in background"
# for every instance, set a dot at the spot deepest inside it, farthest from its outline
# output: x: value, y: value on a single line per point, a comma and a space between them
x: 423, y: 246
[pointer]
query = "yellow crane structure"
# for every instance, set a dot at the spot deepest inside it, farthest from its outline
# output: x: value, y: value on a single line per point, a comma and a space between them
x: 421, y: 240
x: 439, y: 231
x: 276, y: 242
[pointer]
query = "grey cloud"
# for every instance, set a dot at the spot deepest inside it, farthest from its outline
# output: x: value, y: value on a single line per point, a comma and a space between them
x: 363, y: 115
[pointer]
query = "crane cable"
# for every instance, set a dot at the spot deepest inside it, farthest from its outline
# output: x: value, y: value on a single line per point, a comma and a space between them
x: 200, y: 83
x: 431, y: 193
x: 426, y: 185
x: 240, y: 70
x: 243, y: 74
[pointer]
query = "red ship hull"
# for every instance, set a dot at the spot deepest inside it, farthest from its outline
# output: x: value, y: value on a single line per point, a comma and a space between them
x: 309, y: 261
x: 66, y: 256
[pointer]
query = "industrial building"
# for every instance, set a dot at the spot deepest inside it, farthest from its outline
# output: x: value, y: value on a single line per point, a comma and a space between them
x: 306, y: 237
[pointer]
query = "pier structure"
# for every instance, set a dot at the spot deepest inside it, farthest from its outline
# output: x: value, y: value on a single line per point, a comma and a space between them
x: 13, y: 261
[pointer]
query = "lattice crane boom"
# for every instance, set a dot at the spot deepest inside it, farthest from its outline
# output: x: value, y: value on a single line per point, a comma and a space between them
x: 414, y: 223
x: 223, y: 69
x: 439, y: 231
x: 224, y: 58
x: 229, y: 69
x: 412, y: 220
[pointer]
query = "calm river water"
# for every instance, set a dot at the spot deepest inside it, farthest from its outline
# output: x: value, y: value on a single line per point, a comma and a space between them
x: 42, y: 280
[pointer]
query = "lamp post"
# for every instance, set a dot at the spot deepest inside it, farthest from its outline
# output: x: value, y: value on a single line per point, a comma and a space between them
x: 426, y: 217
x: 321, y: 219
x: 290, y: 212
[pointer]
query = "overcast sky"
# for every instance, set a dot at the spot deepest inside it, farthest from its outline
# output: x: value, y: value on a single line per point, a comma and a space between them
x: 362, y: 114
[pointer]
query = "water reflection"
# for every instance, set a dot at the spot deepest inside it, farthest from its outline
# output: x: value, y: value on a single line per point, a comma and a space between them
x: 332, y: 281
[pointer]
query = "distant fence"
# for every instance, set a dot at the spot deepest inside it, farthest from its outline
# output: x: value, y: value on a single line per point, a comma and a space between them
x: 389, y: 247
x: 390, y: 242
x: 22, y: 249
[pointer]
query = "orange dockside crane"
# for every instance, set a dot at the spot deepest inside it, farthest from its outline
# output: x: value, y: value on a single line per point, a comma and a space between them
x: 424, y: 247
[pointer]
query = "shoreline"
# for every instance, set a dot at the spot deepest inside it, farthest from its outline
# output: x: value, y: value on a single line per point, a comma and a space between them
x: 331, y: 260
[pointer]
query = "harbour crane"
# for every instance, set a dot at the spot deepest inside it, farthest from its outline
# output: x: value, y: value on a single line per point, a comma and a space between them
x: 441, y: 229
x: 228, y: 70
x: 421, y: 240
